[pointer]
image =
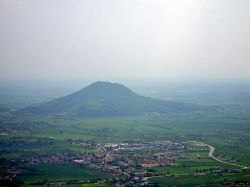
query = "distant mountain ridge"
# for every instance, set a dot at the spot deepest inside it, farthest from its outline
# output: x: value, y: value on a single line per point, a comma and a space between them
x: 105, y: 99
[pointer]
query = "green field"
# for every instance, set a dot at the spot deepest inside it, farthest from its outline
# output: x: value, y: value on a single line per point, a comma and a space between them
x: 230, y: 138
x: 209, y: 180
x: 61, y: 172
x: 228, y: 130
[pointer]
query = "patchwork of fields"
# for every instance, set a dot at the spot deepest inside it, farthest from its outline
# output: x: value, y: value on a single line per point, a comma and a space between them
x: 45, y: 150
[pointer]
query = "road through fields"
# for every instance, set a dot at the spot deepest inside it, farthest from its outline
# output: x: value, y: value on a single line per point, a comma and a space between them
x: 211, y: 154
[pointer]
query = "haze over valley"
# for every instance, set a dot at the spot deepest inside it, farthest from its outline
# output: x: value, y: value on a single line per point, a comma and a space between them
x: 124, y: 93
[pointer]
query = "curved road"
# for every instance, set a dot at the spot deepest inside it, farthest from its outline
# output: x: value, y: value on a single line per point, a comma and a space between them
x: 211, y: 152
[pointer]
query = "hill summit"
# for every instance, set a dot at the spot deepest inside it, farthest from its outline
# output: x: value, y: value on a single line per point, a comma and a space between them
x: 105, y: 99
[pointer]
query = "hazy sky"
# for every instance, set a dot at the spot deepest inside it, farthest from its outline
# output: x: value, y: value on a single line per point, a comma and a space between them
x: 105, y: 39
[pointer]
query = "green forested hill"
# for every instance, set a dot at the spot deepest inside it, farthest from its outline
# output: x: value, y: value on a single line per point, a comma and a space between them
x: 106, y: 99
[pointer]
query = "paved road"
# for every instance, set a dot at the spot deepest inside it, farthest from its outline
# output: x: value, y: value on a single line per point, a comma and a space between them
x: 211, y: 155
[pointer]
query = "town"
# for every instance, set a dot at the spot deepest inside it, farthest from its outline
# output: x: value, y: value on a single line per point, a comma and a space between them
x: 125, y: 162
